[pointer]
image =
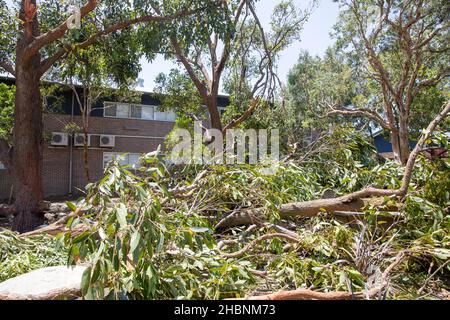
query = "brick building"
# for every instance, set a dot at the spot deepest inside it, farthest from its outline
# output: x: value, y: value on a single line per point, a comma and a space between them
x: 116, y: 128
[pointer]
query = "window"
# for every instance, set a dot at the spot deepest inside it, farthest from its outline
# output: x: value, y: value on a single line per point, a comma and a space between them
x: 147, y: 113
x: 110, y: 109
x: 171, y: 116
x: 2, y: 167
x: 136, y: 111
x: 131, y: 159
x: 122, y: 110
x: 161, y: 116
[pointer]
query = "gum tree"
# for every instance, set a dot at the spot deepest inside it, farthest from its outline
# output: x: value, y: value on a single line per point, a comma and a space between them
x: 401, y: 47
x: 233, y: 42
x: 33, y: 41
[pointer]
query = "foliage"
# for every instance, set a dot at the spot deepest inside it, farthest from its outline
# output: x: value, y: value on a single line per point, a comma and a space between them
x: 151, y: 232
x: 20, y: 255
x: 178, y: 93
x: 314, y: 83
x: 145, y: 250
x: 6, y: 111
x: 404, y: 41
x: 148, y: 243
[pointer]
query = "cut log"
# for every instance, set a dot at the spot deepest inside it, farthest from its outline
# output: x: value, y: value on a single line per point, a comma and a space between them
x: 50, y: 283
x: 348, y: 203
x: 304, y: 294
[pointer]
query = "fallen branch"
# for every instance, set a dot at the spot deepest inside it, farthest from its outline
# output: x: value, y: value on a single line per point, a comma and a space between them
x: 306, y: 294
x: 59, y: 226
x: 384, y: 276
x: 350, y: 202
x: 181, y: 191
x: 431, y: 276
x: 303, y: 294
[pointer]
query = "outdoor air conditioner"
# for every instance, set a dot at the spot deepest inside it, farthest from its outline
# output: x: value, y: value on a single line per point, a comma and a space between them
x: 107, y: 141
x: 78, y: 140
x: 59, y: 139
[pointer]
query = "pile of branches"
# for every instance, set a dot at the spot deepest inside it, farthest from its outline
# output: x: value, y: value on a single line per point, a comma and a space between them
x: 226, y: 232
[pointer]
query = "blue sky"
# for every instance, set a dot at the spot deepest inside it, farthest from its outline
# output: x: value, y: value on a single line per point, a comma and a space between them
x: 314, y: 37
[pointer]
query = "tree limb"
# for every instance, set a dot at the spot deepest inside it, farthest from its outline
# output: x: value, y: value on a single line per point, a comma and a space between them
x: 244, y: 116
x: 362, y: 112
x: 47, y: 63
x: 8, y: 66
x: 56, y: 33
x: 349, y: 202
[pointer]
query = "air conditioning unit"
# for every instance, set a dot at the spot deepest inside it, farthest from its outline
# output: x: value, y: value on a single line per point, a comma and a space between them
x: 107, y: 141
x: 59, y: 139
x: 78, y: 140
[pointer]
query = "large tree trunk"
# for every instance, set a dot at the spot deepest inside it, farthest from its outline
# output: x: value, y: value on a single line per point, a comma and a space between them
x: 404, y: 141
x: 27, y: 137
x: 395, y: 142
x: 211, y: 103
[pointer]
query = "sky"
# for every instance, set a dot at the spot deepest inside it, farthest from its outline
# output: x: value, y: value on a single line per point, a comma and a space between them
x: 315, y: 38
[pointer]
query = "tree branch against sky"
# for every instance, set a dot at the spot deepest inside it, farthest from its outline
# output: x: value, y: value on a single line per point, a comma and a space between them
x: 315, y: 39
x: 235, y: 42
x: 401, y: 48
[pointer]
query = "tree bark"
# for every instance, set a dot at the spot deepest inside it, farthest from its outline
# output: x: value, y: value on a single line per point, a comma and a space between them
x: 404, y: 141
x: 211, y: 104
x: 85, y: 113
x: 27, y: 134
x: 86, y: 154
x: 395, y: 142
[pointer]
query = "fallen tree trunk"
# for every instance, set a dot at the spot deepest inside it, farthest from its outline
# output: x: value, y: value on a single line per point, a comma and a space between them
x: 347, y: 203
x: 350, y: 202
x: 304, y: 294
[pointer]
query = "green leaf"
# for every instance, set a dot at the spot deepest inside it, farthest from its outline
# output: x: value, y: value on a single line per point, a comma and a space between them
x: 81, y: 237
x: 121, y: 214
x: 199, y: 229
x: 85, y: 280
x: 71, y: 206
x: 134, y: 242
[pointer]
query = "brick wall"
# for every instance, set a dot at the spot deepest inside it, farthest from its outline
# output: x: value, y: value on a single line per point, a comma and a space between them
x: 134, y: 136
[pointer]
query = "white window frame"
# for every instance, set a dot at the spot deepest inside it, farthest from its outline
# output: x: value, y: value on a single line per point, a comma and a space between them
x: 120, y: 154
x: 155, y: 109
